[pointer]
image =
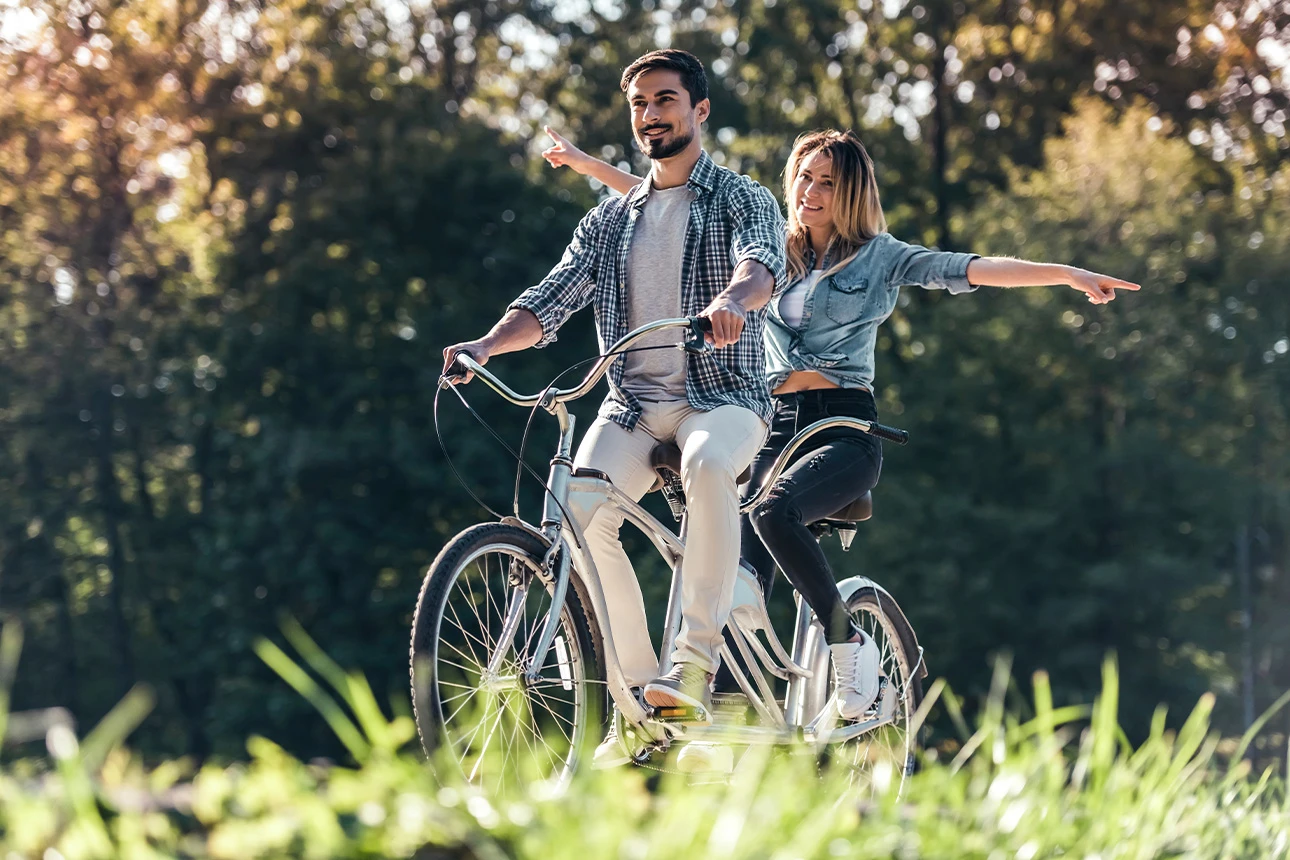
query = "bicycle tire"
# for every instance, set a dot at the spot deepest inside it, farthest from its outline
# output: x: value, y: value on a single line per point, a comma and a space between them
x: 580, y: 667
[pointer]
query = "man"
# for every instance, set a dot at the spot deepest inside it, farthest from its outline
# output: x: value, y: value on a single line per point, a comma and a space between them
x: 695, y: 239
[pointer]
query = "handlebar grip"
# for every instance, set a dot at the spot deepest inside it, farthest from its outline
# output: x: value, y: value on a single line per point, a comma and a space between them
x: 891, y: 434
x: 696, y: 343
x: 457, y: 370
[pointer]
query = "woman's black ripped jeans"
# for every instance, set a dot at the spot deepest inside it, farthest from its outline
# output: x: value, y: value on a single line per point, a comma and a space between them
x: 831, y: 471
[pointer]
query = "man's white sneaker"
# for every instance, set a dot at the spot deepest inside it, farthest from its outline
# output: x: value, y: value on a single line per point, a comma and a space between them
x: 700, y: 757
x: 856, y: 670
x: 611, y: 752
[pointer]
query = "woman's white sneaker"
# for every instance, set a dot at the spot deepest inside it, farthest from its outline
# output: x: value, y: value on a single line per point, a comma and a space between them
x: 702, y: 757
x: 857, y: 667
x: 611, y: 752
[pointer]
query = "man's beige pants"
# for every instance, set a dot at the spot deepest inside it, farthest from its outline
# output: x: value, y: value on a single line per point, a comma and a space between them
x: 715, y: 447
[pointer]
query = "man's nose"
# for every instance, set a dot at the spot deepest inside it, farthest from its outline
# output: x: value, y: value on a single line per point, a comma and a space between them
x: 651, y: 114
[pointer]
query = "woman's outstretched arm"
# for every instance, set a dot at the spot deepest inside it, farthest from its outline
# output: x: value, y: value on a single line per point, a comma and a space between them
x: 1007, y: 272
x: 565, y: 154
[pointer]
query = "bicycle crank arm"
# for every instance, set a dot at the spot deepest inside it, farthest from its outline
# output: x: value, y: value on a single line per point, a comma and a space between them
x: 848, y: 732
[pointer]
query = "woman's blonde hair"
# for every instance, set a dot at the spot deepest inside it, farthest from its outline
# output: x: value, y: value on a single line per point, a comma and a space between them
x: 857, y: 211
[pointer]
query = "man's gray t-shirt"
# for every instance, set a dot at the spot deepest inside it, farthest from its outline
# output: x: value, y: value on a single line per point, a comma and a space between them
x: 654, y: 293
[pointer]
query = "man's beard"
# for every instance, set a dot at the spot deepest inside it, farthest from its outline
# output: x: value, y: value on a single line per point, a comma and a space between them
x: 658, y: 149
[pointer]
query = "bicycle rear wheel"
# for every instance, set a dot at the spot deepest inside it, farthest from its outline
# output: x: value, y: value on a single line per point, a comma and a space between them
x: 498, y: 728
x: 882, y: 758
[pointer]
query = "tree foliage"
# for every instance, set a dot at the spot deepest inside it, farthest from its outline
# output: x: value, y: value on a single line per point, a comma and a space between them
x: 234, y: 239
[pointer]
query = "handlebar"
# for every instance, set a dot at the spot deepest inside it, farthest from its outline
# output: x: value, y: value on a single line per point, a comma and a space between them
x: 698, y: 326
x: 873, y: 428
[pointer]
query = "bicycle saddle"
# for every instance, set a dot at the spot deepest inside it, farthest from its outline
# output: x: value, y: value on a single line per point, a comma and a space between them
x: 667, y: 455
x: 856, y: 512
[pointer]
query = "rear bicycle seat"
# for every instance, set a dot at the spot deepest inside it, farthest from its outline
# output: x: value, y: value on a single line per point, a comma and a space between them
x: 844, y: 521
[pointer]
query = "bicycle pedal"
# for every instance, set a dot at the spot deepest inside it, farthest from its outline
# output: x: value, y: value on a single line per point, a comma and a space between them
x: 680, y: 714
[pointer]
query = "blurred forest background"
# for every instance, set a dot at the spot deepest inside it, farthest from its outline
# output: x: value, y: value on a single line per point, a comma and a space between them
x: 235, y: 236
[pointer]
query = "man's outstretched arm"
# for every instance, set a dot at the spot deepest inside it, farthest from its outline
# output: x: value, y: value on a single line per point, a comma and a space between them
x: 519, y: 329
x: 534, y: 317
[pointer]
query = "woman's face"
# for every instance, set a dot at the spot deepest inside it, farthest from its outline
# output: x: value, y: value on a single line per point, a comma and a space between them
x: 813, y: 192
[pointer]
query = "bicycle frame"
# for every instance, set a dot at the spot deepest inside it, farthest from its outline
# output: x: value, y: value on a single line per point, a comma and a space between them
x: 568, y: 549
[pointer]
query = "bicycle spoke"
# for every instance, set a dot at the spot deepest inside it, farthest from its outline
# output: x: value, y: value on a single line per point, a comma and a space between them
x: 559, y: 717
x: 466, y: 633
x: 459, y: 709
x: 471, y: 738
x: 537, y: 737
x: 484, y: 749
x: 453, y: 610
x: 472, y: 669
x: 523, y: 728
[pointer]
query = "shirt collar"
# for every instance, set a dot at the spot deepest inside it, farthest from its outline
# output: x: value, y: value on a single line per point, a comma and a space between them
x: 703, y: 178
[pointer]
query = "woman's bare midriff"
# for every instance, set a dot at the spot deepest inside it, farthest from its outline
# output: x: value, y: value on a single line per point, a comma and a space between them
x: 804, y: 380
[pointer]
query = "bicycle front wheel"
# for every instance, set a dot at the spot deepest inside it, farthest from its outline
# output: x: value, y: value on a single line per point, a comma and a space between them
x: 473, y: 702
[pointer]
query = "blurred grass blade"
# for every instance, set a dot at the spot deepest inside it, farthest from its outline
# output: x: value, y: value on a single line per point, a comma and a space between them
x: 1191, y: 737
x: 1045, y: 722
x: 1045, y: 725
x: 290, y: 672
x: 1105, y: 725
x: 955, y: 711
x: 10, y: 650
x: 116, y: 726
x: 370, y: 718
x: 1257, y: 726
x: 351, y: 687
x: 929, y: 701
x: 317, y: 659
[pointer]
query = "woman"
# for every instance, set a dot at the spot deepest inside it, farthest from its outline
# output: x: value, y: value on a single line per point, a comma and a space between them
x: 845, y: 273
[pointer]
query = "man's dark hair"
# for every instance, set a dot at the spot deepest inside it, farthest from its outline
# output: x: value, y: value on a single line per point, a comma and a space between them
x: 693, y: 78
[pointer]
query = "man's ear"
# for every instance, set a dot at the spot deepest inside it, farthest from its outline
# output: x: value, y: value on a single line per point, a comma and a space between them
x: 702, y: 110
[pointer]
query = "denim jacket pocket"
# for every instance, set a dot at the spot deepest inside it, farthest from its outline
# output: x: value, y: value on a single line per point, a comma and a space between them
x: 847, y: 300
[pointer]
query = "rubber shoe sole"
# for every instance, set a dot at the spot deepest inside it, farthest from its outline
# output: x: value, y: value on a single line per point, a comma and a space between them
x: 667, y: 696
x: 700, y: 757
x: 613, y: 755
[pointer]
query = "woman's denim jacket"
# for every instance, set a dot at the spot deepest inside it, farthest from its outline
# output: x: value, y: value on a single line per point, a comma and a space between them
x: 840, y: 318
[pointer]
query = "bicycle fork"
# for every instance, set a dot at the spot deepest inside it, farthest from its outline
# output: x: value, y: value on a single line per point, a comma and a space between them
x: 552, y: 521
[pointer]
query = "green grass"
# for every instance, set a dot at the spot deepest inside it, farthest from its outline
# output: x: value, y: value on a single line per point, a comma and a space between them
x: 1061, y: 783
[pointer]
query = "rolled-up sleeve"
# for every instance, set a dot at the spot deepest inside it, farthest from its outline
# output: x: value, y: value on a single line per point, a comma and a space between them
x: 568, y: 287
x: 931, y: 270
x: 758, y: 229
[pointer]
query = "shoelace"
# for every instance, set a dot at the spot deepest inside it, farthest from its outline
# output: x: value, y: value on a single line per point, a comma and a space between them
x: 847, y: 671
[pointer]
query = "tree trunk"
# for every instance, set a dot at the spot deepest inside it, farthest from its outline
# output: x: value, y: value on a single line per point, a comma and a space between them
x: 109, y: 493
x: 940, y: 154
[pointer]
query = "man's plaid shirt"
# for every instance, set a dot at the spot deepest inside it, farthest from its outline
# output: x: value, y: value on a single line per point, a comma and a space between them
x: 732, y: 219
